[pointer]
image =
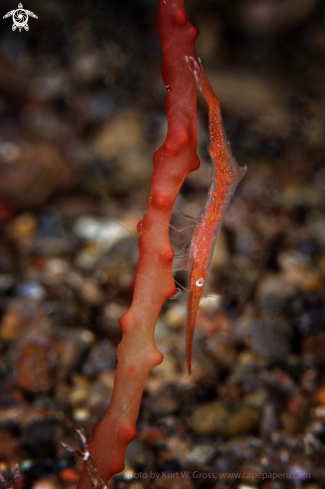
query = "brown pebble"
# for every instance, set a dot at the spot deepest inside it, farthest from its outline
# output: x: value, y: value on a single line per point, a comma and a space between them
x: 39, y: 170
x: 231, y: 392
x: 119, y: 133
x: 10, y: 325
x: 213, y: 417
x: 91, y: 293
x: 174, y: 481
x: 314, y: 345
x: 290, y: 422
x: 296, y: 404
x: 223, y: 350
x: 8, y: 447
x: 35, y: 369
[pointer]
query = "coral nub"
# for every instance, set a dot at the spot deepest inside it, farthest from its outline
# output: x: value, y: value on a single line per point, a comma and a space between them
x: 200, y: 282
x: 180, y: 17
x: 160, y: 200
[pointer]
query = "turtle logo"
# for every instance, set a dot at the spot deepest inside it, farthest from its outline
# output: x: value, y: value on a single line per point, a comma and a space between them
x: 20, y: 18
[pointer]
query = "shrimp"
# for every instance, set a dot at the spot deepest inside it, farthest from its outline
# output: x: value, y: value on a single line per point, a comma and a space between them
x: 225, y: 177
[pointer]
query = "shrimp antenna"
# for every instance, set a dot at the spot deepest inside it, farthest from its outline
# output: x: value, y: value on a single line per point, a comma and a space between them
x: 181, y: 286
x: 126, y: 229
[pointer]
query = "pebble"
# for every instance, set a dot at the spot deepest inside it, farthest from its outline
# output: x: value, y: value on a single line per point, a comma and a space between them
x: 24, y: 414
x: 290, y: 422
x: 301, y: 195
x: 231, y: 391
x: 319, y: 412
x: 215, y: 418
x: 296, y: 404
x: 102, y: 357
x: 270, y: 18
x: 248, y: 363
x: 31, y: 290
x: 80, y: 390
x: 313, y: 347
x: 81, y: 414
x: 55, y: 271
x: 48, y: 170
x: 176, y: 316
x: 9, y: 447
x: 167, y: 367
x: 105, y: 233
x: 273, y: 292
x: 136, y: 485
x: 89, y: 255
x: 101, y: 392
x: 110, y: 316
x: 150, y: 435
x: 201, y: 454
x: 320, y: 396
x: 260, y: 94
x: 163, y: 403
x: 46, y: 483
x: 269, y: 420
x: 223, y: 350
x: 172, y: 481
x: 256, y: 399
x: 69, y: 475
x: 36, y: 370
x: 271, y: 338
x: 299, y: 273
x: 6, y: 281
x: 10, y: 326
x: 91, y: 293
x: 23, y: 228
x: 308, y: 380
x: 41, y: 438
x: 122, y: 132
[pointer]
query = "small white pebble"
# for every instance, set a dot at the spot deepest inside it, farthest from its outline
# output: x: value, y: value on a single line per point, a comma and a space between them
x: 81, y: 414
x: 211, y: 303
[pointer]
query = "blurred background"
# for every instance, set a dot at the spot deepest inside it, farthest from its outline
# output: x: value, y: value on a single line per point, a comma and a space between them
x: 81, y: 114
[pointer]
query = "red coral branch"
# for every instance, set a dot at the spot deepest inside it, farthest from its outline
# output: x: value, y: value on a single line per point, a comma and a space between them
x: 154, y: 283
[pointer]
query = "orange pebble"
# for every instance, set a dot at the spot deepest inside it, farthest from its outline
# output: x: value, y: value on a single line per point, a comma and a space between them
x: 69, y: 475
x: 150, y: 435
x: 320, y: 396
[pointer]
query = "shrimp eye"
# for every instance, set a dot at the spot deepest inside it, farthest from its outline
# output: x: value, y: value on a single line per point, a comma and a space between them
x: 200, y: 282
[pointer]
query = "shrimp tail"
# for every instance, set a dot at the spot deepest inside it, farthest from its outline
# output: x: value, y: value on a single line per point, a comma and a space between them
x: 192, y: 308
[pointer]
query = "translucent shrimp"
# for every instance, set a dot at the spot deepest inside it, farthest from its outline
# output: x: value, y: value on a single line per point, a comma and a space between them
x: 225, y: 178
